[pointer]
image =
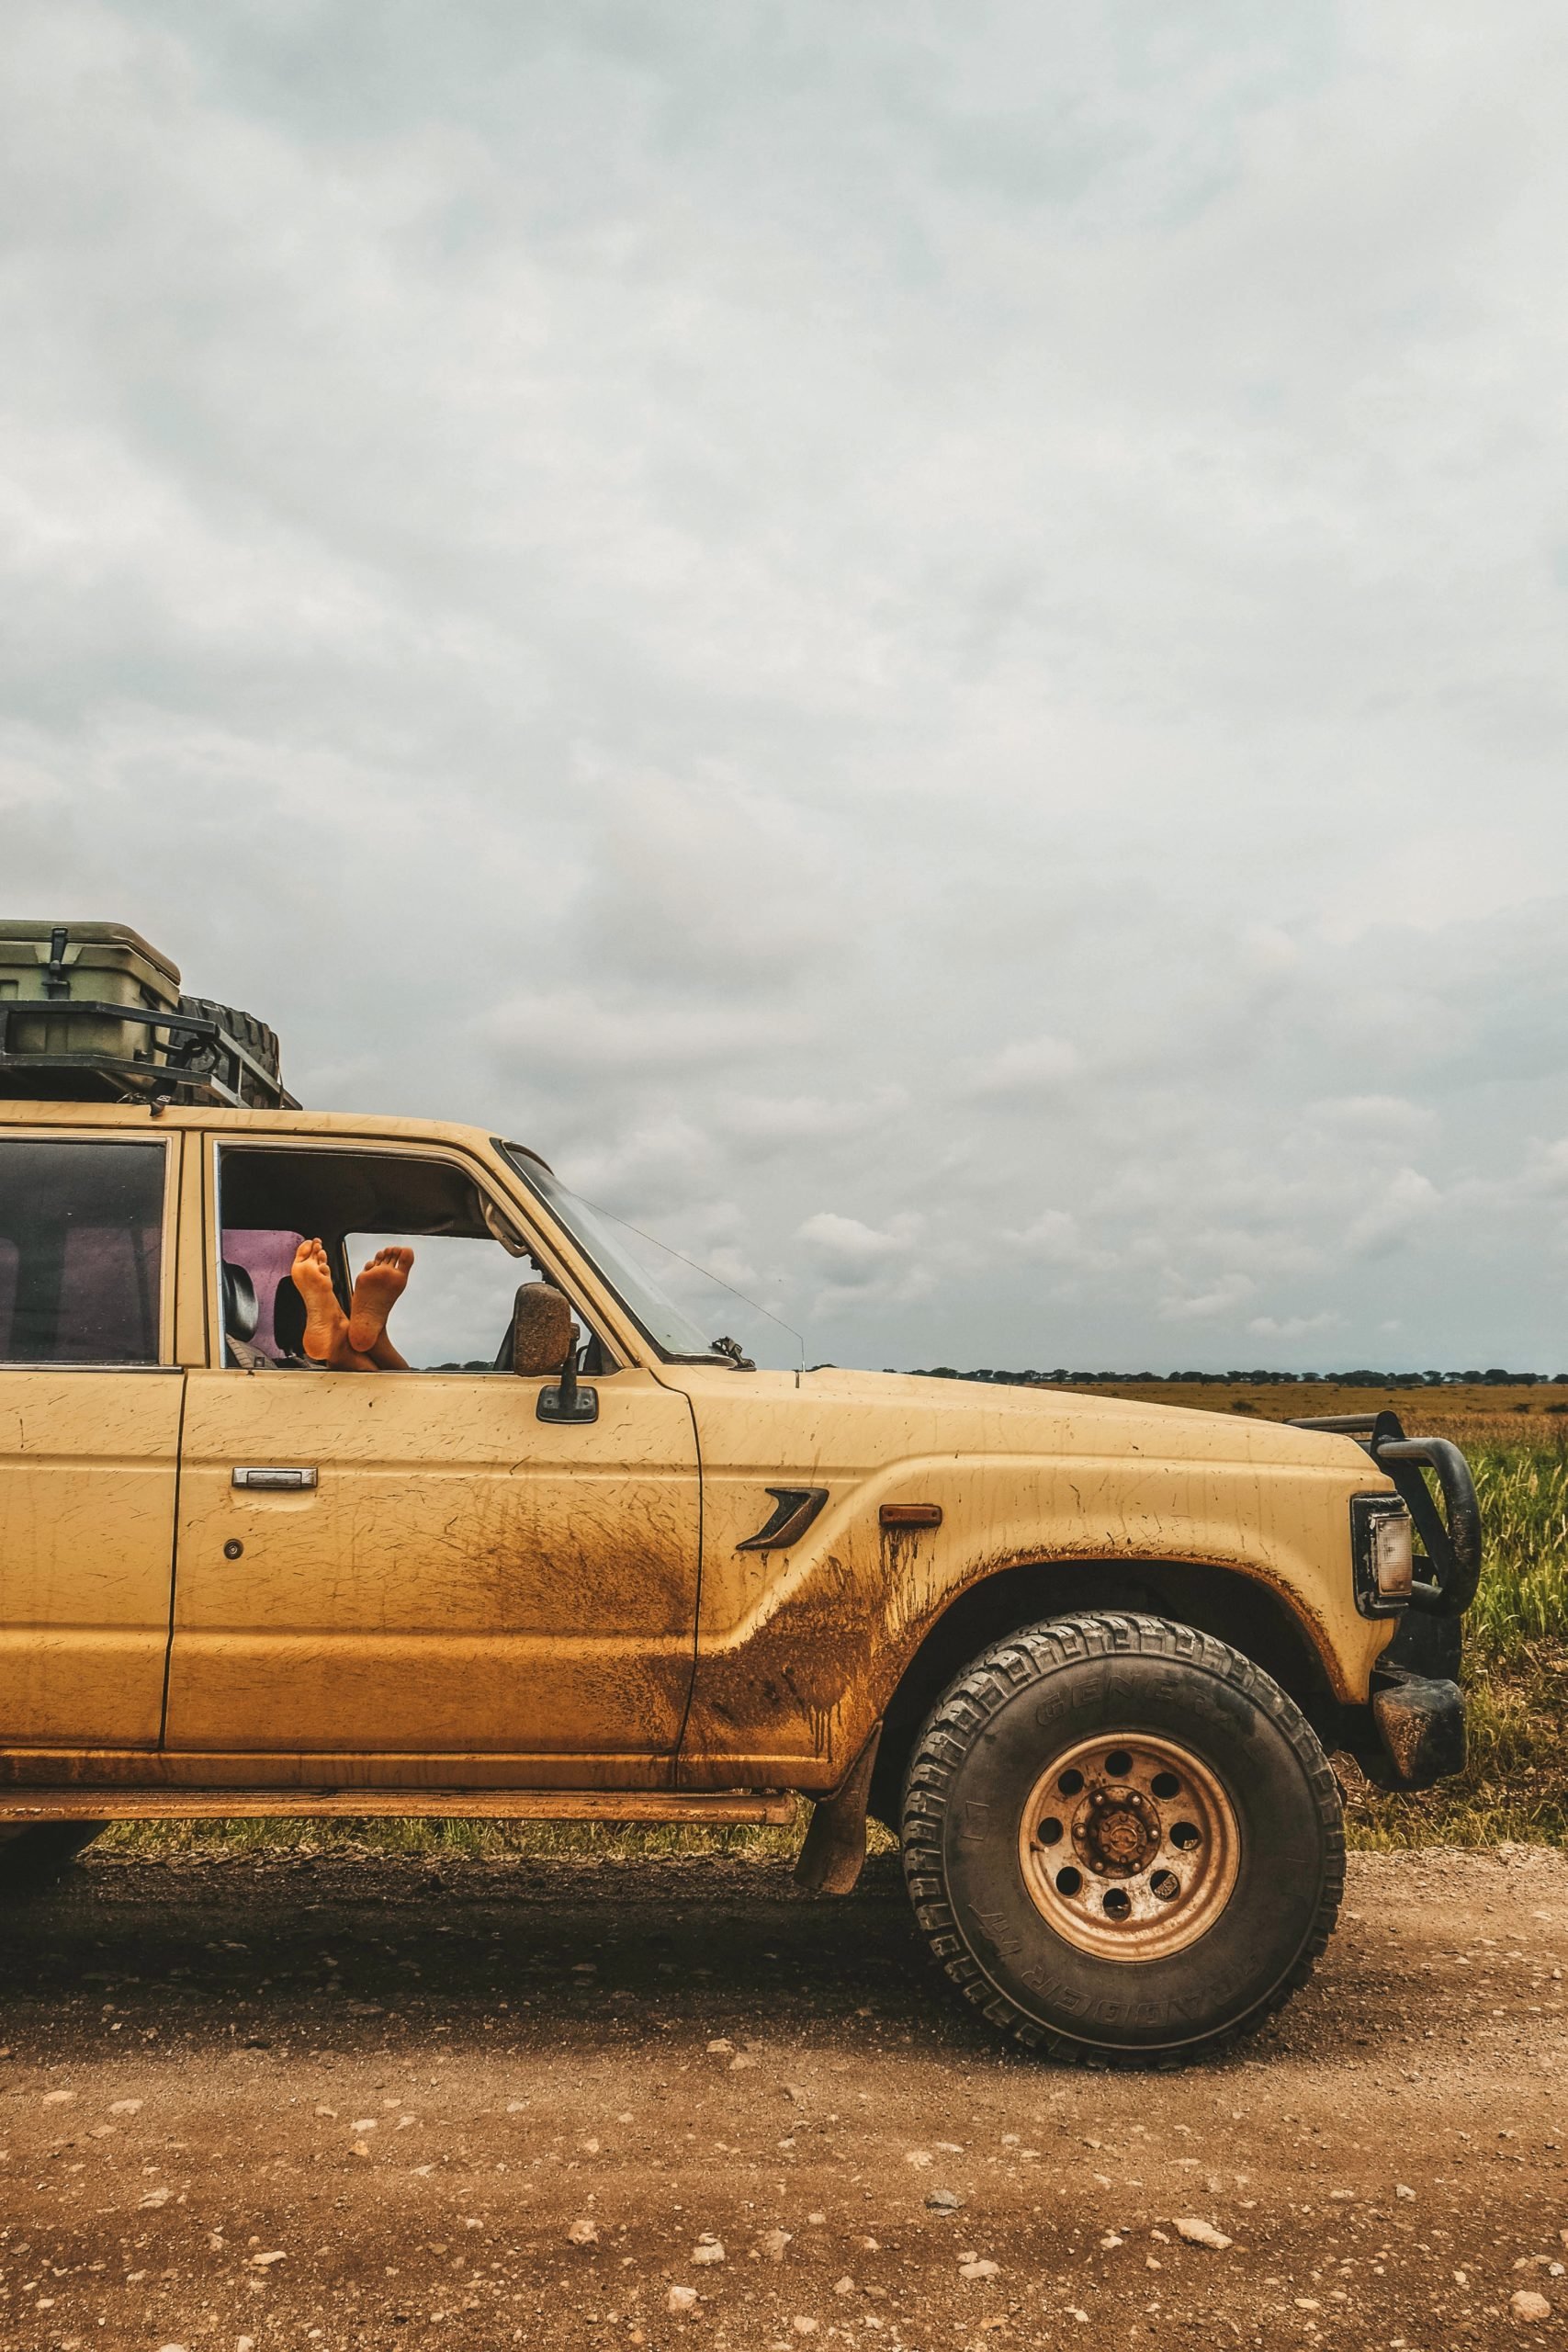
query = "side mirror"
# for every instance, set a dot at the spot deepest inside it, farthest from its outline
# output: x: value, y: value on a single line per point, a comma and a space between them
x: 542, y: 1331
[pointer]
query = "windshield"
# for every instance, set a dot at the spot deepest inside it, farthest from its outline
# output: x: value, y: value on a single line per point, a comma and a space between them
x: 671, y: 1331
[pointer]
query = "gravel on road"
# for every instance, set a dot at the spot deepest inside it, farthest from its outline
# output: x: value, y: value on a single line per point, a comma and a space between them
x: 368, y: 2102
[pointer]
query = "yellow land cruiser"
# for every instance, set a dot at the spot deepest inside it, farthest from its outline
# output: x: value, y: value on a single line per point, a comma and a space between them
x: 1088, y: 1659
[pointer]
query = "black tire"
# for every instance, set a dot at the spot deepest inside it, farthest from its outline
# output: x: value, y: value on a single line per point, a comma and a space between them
x: 258, y: 1040
x: 1263, y: 1872
x: 38, y: 1855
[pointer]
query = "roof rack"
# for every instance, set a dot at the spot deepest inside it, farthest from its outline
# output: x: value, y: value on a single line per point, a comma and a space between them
x: 189, y: 1058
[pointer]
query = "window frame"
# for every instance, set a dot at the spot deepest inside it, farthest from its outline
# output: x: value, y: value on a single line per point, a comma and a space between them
x: 168, y: 1143
x: 488, y: 1180
x: 664, y: 1355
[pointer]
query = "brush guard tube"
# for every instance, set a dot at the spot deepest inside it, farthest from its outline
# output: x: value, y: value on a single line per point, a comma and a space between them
x: 1451, y: 1537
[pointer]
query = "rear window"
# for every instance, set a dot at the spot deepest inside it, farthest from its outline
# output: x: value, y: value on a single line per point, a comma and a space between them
x: 81, y: 1235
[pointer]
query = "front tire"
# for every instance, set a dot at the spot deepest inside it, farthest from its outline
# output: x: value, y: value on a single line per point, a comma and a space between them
x: 1122, y: 1840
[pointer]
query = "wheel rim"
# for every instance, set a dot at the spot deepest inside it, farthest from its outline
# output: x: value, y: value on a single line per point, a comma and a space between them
x: 1130, y: 1846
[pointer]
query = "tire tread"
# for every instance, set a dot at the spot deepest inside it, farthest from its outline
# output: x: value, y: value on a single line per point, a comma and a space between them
x: 1011, y: 1666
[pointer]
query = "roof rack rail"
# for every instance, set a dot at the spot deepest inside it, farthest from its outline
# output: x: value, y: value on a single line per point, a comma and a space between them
x: 190, y: 1058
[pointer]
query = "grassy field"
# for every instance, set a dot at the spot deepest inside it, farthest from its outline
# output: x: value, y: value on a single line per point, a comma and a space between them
x: 1535, y: 1416
x: 1517, y: 1667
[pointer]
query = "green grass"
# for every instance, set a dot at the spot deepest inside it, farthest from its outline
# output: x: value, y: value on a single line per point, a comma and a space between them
x: 1516, y: 1786
x: 1523, y: 1599
x: 419, y: 1839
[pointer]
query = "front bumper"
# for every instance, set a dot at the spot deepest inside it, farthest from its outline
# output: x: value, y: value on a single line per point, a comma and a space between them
x: 1420, y: 1727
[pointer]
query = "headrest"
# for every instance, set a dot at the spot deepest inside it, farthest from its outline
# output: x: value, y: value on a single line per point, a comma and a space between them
x: 241, y: 1311
x: 288, y: 1318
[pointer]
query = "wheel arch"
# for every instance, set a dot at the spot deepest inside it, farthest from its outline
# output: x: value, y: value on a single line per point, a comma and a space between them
x: 1240, y: 1609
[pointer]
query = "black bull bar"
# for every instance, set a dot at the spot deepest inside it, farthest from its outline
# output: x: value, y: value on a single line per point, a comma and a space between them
x: 1417, y: 1707
x: 1449, y: 1537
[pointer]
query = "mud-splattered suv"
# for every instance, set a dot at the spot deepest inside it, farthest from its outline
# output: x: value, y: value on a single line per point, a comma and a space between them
x: 1088, y: 1659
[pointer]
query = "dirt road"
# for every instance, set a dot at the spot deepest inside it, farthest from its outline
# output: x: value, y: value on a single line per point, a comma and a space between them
x: 374, y: 2103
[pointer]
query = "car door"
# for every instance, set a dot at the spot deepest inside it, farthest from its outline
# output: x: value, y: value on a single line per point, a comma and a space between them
x: 89, y: 1436
x: 411, y: 1576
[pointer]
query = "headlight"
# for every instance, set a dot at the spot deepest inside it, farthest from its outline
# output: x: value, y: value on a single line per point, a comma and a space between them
x: 1382, y: 1547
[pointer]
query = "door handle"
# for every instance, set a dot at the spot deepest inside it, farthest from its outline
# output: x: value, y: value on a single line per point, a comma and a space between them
x: 274, y: 1479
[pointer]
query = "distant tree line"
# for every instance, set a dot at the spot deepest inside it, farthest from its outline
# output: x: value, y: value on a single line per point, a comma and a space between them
x: 1494, y: 1377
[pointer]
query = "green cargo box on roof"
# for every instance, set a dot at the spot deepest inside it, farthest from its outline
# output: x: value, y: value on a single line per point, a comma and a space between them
x: 100, y: 963
x: 93, y: 1010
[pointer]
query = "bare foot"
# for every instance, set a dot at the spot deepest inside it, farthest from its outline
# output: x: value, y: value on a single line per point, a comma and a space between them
x: 376, y: 1293
x: 326, y: 1326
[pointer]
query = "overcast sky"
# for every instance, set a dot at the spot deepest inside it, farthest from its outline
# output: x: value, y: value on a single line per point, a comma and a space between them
x: 925, y: 643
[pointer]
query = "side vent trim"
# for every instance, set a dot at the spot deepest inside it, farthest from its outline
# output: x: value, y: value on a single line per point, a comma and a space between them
x: 796, y: 1507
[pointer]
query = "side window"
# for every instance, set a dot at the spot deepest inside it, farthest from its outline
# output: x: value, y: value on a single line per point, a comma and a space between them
x: 451, y: 1310
x: 456, y: 1313
x: 81, y: 1250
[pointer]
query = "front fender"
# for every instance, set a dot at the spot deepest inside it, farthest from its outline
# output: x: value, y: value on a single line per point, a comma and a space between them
x: 798, y: 1652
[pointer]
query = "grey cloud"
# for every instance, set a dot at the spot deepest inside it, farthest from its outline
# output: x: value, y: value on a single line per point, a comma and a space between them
x: 577, y: 1030
x: 950, y: 630
x: 1381, y: 1120
x: 1293, y: 1326
x: 1227, y: 1296
x: 766, y: 1122
x: 704, y: 881
x: 1056, y: 1239
x: 1401, y: 1205
x: 853, y: 1252
x: 1028, y: 1067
